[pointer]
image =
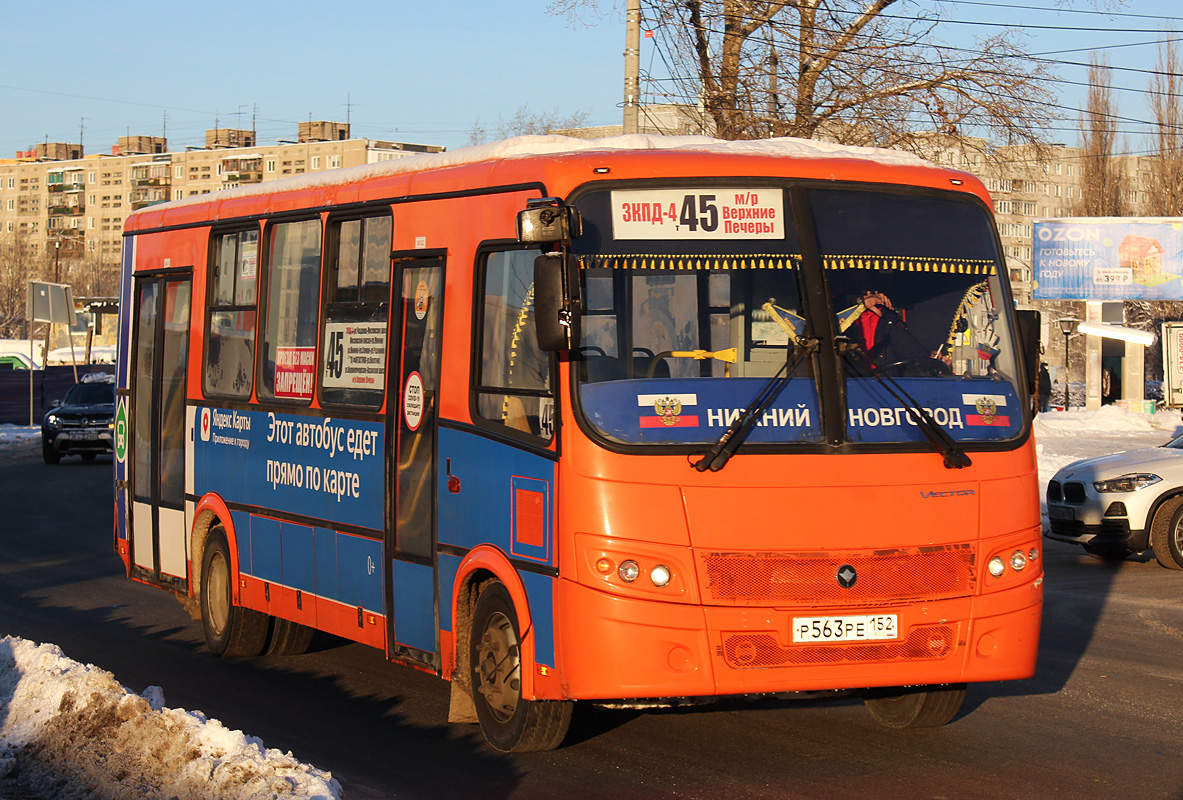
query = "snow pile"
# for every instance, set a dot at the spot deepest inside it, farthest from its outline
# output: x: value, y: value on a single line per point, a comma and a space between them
x: 70, y: 730
x: 1107, y: 419
x: 99, y: 354
x: 19, y: 441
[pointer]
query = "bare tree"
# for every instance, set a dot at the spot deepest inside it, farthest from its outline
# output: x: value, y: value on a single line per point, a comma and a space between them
x: 89, y: 275
x: 1103, y: 181
x: 1149, y: 315
x: 526, y: 123
x: 845, y: 70
x: 1164, y: 185
x: 16, y: 269
x: 478, y: 133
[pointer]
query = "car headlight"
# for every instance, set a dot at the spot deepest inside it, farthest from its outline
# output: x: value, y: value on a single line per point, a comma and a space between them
x: 1127, y: 483
x: 52, y: 420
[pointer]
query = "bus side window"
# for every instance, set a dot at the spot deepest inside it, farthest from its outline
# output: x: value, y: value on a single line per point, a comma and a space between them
x: 293, y: 302
x: 230, y: 338
x: 513, y: 381
x: 357, y: 311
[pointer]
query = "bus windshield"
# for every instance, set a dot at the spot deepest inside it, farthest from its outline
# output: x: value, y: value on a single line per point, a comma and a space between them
x: 692, y: 298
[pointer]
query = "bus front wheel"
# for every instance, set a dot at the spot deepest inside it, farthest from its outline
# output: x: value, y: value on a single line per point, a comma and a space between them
x: 510, y: 723
x: 230, y: 631
x: 924, y: 707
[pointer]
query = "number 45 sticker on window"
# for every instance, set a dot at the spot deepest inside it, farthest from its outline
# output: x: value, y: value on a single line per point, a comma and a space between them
x: 355, y: 355
x: 708, y: 213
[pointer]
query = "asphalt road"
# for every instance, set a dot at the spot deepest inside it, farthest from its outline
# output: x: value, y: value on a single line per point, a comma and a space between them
x: 1102, y: 718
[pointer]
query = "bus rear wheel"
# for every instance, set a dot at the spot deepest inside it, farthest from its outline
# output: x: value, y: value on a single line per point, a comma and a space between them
x: 511, y: 723
x: 925, y: 707
x: 288, y: 638
x: 230, y: 631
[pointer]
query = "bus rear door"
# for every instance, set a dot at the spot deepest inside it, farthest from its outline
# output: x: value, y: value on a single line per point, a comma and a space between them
x: 160, y: 421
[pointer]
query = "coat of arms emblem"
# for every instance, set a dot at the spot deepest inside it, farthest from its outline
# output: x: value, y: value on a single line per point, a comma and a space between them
x: 988, y: 409
x: 669, y: 409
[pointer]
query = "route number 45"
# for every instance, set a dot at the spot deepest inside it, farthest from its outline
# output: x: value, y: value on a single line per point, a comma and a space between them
x: 335, y: 357
x: 704, y: 213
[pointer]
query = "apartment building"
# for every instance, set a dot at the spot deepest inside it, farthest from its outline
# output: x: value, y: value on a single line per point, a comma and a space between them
x: 1030, y: 183
x: 56, y: 200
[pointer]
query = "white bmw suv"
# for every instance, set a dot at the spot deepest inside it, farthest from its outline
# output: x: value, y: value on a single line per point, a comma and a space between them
x: 1121, y: 504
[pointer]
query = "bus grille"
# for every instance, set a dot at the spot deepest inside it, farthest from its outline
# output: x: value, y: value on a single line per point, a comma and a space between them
x: 810, y: 579
x: 764, y: 651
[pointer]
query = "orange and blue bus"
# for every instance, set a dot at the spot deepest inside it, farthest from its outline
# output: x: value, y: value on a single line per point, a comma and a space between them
x: 633, y: 421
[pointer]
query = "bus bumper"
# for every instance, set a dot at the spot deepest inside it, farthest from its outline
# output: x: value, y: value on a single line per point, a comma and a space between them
x: 623, y: 648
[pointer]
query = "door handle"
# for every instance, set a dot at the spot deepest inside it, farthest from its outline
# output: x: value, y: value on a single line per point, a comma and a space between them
x: 453, y: 480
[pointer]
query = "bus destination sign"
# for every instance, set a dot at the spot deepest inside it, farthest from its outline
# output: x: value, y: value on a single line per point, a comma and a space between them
x: 709, y: 213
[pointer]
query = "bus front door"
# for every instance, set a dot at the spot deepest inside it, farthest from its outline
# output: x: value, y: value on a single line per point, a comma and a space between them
x: 160, y: 420
x: 412, y: 622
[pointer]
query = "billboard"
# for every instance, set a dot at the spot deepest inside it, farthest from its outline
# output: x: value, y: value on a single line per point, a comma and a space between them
x: 1172, y: 363
x: 1108, y: 258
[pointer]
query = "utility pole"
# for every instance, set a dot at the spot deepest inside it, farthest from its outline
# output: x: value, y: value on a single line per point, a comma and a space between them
x: 773, y: 99
x: 632, y: 67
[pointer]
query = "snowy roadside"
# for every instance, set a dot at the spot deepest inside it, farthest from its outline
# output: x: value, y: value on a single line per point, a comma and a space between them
x: 19, y: 441
x: 69, y: 730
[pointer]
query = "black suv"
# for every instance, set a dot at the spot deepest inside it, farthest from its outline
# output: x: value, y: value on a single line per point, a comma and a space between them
x: 83, y: 423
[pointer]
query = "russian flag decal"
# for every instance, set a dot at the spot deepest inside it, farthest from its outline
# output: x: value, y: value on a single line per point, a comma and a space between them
x: 668, y: 410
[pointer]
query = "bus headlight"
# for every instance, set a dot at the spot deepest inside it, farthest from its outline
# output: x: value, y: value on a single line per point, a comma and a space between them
x: 1018, y: 560
x: 996, y: 566
x: 635, y: 569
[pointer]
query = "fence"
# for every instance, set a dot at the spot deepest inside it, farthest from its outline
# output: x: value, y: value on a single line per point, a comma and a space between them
x: 49, y: 384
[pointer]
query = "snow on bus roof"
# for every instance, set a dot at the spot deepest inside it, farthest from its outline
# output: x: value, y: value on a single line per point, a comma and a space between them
x: 552, y: 144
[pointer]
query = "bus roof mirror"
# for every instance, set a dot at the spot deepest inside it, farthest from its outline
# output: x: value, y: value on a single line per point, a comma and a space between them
x: 556, y: 317
x: 548, y: 220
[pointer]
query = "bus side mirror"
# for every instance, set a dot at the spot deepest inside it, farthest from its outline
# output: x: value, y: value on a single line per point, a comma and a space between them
x: 556, y: 303
x: 1029, y: 322
x: 547, y: 220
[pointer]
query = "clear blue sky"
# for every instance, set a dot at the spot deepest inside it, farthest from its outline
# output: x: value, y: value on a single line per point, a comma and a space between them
x: 412, y: 71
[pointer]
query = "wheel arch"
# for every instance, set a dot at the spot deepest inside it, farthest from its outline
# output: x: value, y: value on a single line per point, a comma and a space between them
x: 479, y: 566
x: 1170, y: 501
x: 210, y: 512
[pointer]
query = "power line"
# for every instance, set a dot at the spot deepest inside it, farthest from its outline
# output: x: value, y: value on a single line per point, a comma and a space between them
x: 901, y: 64
x: 1057, y: 10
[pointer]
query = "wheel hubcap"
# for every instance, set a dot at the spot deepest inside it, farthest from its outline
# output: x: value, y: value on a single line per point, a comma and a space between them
x: 498, y: 667
x: 217, y: 589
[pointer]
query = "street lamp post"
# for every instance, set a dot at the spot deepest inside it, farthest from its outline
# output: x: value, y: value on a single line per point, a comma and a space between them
x: 1068, y: 327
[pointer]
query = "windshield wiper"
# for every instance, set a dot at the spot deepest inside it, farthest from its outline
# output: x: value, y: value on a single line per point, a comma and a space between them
x: 955, y: 457
x: 721, y: 452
